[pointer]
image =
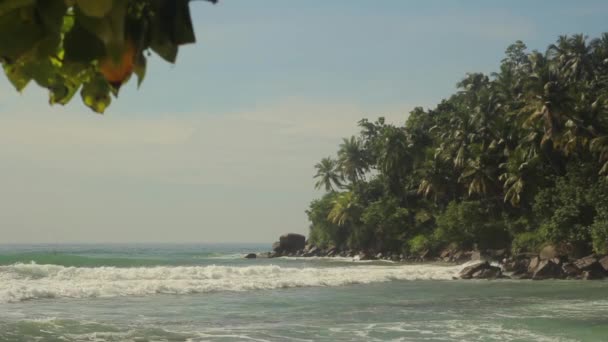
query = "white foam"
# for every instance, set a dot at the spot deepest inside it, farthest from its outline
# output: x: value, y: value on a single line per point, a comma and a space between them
x: 20, y: 282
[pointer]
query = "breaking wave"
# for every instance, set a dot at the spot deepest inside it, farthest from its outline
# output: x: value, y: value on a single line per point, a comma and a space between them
x: 19, y: 282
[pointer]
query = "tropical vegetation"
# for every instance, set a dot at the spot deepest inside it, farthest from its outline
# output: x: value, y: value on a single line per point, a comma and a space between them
x: 516, y: 159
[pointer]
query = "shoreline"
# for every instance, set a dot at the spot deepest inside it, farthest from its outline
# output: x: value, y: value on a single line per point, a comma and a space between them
x: 549, y: 263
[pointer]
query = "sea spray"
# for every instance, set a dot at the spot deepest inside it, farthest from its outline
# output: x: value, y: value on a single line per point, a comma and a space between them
x: 33, y: 281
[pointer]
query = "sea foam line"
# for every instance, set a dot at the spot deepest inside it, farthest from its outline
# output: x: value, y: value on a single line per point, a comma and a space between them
x: 21, y: 282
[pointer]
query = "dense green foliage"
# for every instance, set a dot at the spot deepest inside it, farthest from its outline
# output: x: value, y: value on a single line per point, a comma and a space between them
x: 91, y: 45
x: 516, y: 159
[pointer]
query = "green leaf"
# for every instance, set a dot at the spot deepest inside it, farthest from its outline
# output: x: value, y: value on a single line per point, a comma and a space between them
x: 96, y: 94
x: 140, y: 68
x: 16, y: 76
x: 51, y: 13
x: 161, y: 31
x: 182, y: 32
x: 82, y: 46
x: 19, y: 33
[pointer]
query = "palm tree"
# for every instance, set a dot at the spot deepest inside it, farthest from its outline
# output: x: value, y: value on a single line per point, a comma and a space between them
x: 599, y: 145
x: 478, y: 176
x: 547, y: 98
x: 514, y: 176
x: 395, y: 160
x: 352, y: 159
x: 344, y: 209
x: 327, y: 175
x: 573, y: 56
x: 435, y: 179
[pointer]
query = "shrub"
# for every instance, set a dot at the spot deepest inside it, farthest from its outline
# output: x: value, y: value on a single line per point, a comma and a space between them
x: 471, y: 224
x: 527, y: 242
x: 599, y: 236
x: 419, y: 244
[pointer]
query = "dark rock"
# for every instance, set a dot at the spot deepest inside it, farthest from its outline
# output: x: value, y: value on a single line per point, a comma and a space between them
x: 331, y: 252
x: 570, y: 270
x: 547, y: 269
x: 491, y: 272
x: 461, y: 256
x: 590, y: 263
x: 586, y: 263
x: 604, y: 263
x: 516, y: 266
x: 379, y: 255
x: 468, y: 271
x: 289, y: 243
x: 251, y: 256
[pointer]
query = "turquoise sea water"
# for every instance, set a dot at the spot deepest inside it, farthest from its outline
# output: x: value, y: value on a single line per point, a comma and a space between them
x: 209, y: 293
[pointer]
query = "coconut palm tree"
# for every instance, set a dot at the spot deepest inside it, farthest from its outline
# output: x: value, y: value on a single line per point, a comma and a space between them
x: 352, y: 159
x: 514, y: 176
x: 344, y: 209
x: 547, y: 98
x: 395, y: 160
x: 327, y: 175
x: 573, y: 56
x: 434, y: 179
x: 478, y: 176
x: 599, y: 146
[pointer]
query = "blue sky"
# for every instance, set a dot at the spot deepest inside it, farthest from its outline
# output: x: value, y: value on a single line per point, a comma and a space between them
x: 221, y: 146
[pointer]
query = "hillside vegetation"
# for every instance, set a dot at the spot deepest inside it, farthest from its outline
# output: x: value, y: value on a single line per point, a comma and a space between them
x: 516, y: 159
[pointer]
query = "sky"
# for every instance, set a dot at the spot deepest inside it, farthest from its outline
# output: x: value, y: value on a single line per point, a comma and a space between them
x: 221, y: 146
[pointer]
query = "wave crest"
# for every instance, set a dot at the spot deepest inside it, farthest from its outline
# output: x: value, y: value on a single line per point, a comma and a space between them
x: 32, y: 281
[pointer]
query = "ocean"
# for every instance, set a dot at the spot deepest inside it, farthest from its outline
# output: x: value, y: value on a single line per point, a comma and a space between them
x: 210, y: 293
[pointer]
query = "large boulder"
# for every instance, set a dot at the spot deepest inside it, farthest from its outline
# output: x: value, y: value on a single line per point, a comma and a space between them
x: 570, y: 270
x: 251, y: 256
x: 590, y: 263
x: 517, y: 266
x: 548, y: 269
x: 586, y: 263
x: 289, y: 243
x: 534, y: 262
x: 480, y: 270
x: 604, y: 263
x: 491, y: 272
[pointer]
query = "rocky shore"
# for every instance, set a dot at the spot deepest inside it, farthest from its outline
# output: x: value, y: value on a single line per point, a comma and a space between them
x: 549, y: 263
